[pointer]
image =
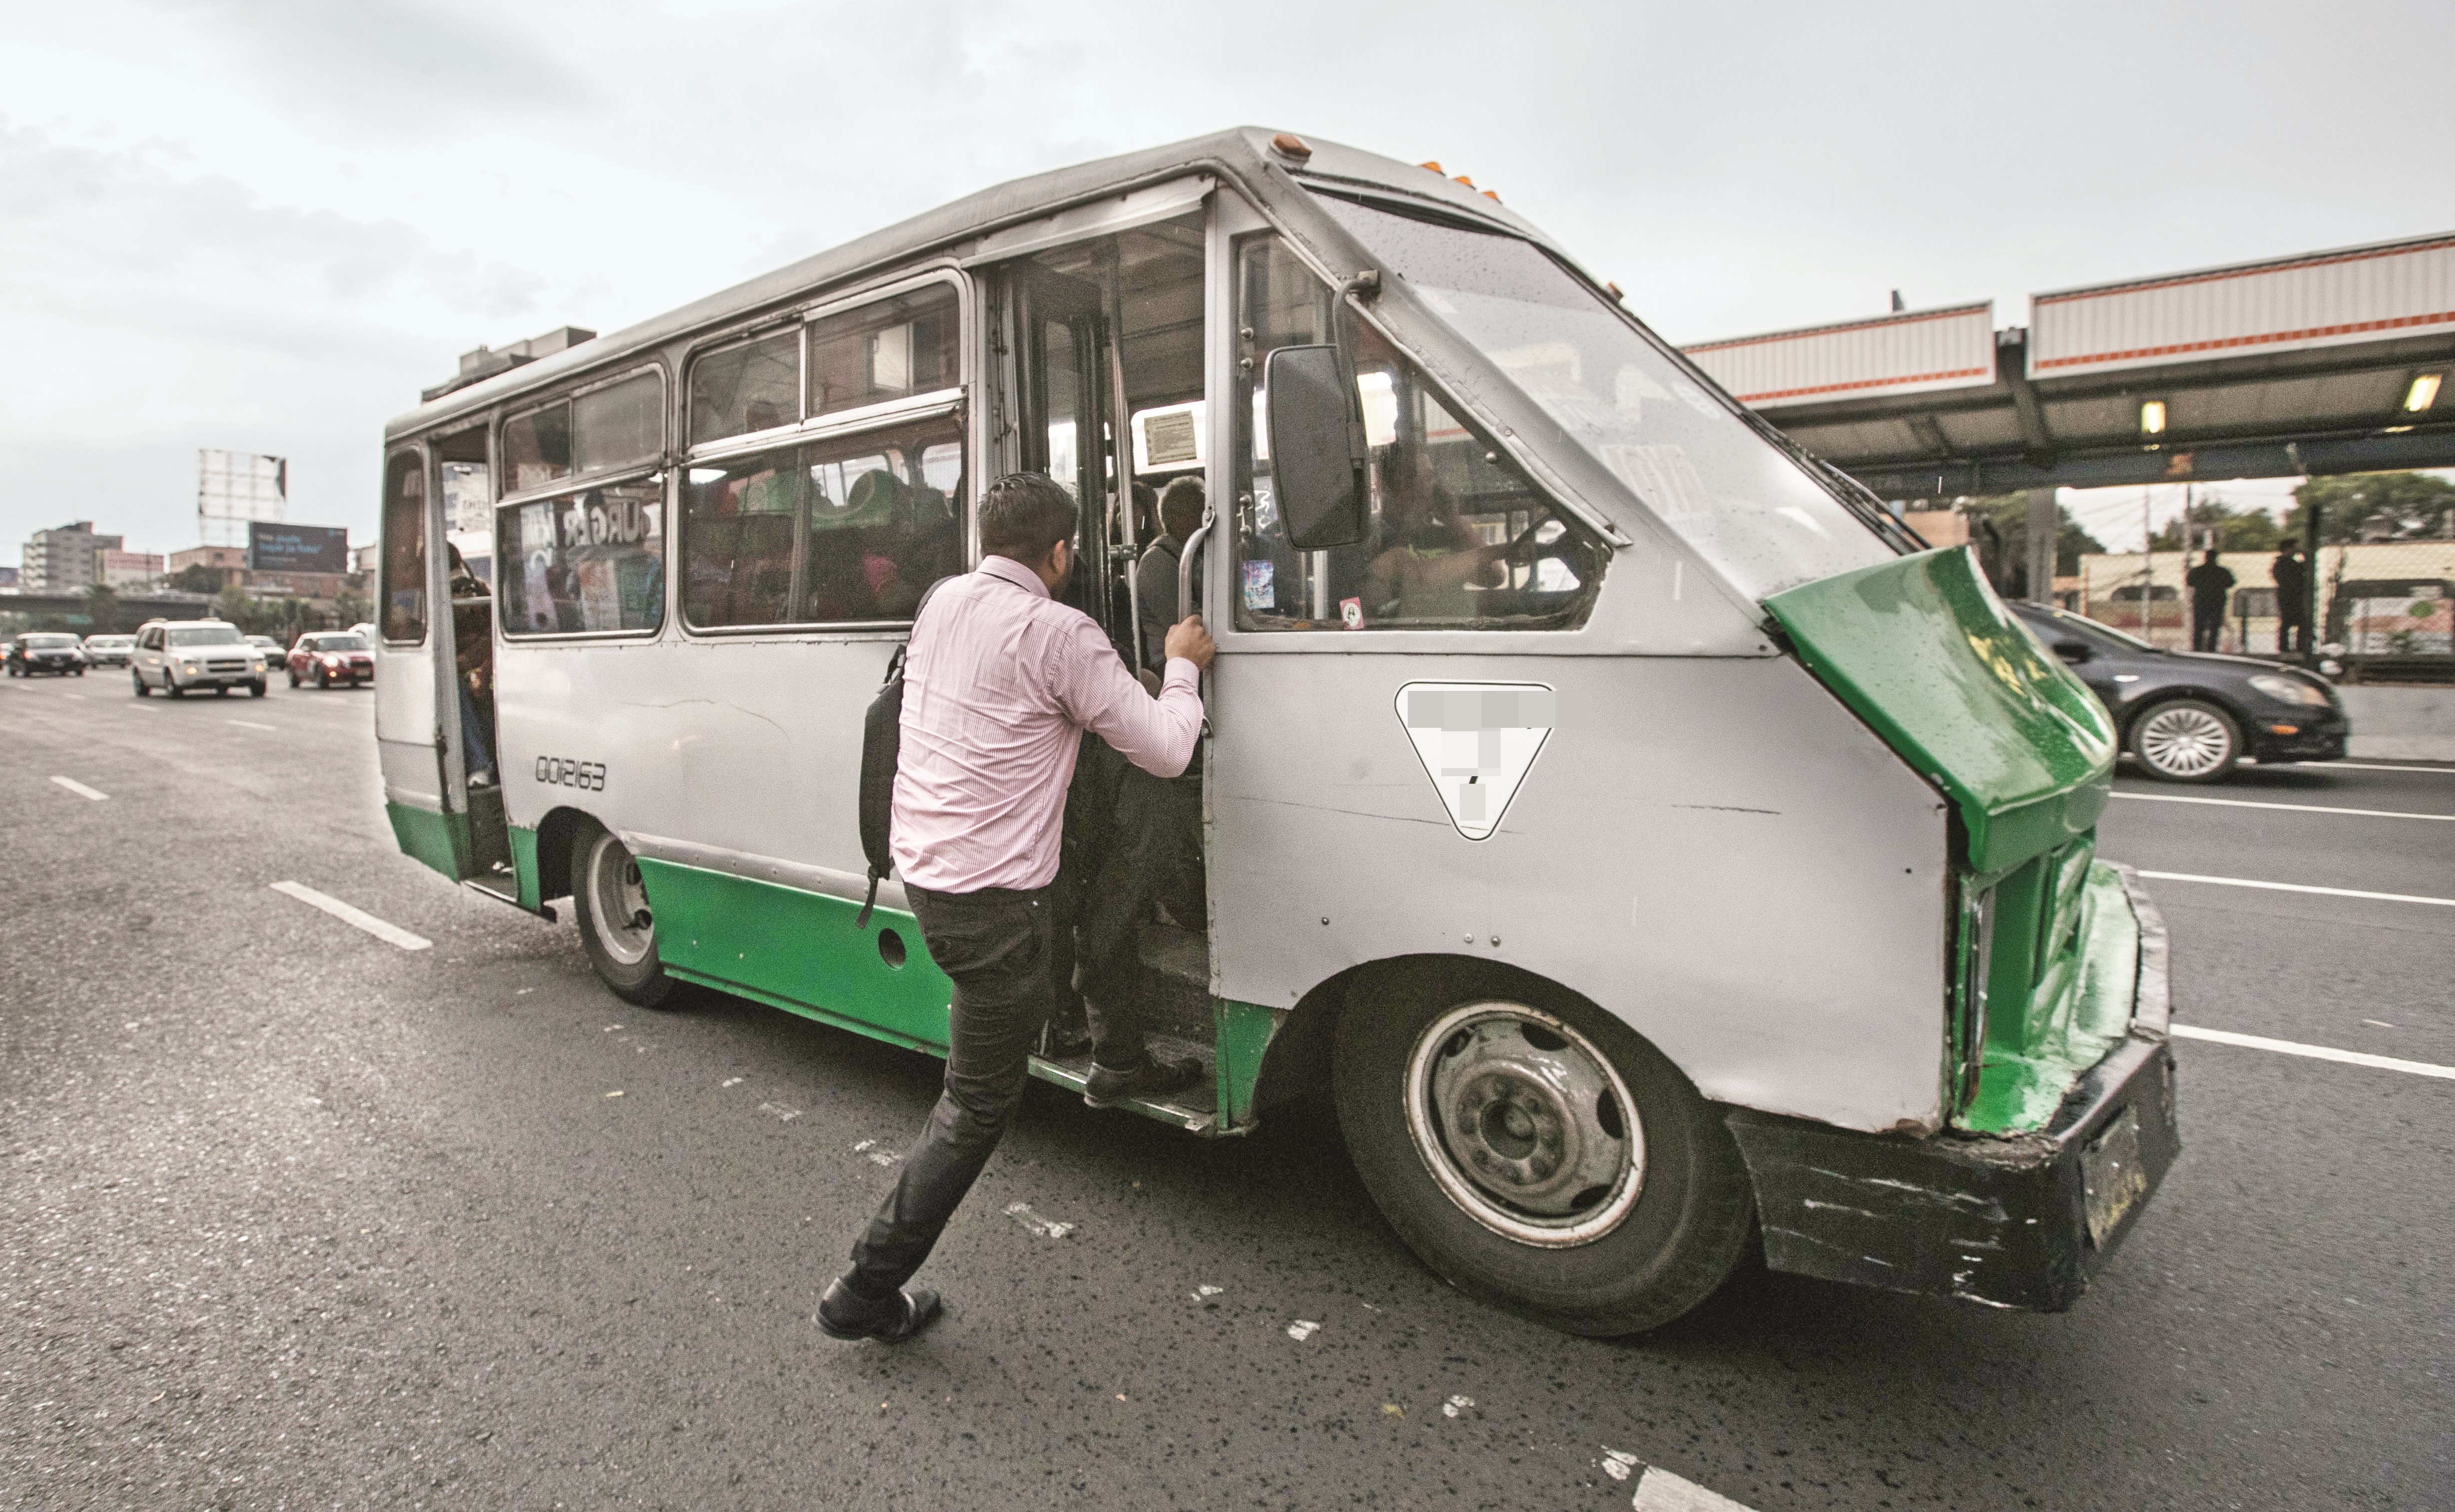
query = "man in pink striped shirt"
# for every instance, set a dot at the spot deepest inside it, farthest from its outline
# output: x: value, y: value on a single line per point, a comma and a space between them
x: 999, y: 682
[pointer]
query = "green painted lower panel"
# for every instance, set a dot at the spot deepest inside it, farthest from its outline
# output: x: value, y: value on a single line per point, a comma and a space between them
x: 525, y: 866
x: 1244, y: 1034
x: 440, y: 841
x: 2079, y: 1010
x: 798, y: 950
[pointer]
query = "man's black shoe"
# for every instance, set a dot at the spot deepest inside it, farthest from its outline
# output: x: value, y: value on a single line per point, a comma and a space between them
x: 846, y: 1314
x: 1154, y: 1077
x: 1064, y: 1043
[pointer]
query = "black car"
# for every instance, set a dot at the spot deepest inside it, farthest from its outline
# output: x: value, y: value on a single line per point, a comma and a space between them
x: 45, y: 651
x: 2186, y: 715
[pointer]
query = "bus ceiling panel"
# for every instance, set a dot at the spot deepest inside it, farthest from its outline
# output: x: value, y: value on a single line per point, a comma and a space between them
x: 843, y: 422
x: 1098, y: 218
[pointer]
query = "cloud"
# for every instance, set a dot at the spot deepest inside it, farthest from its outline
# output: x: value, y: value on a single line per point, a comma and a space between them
x: 79, y: 216
x: 394, y: 64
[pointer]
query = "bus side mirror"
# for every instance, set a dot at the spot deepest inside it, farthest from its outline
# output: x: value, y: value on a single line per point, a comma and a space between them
x: 1313, y: 462
x: 2074, y: 652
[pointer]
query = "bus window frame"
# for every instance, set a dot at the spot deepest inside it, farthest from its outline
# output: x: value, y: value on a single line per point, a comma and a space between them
x: 767, y: 329
x: 666, y: 610
x: 506, y: 414
x: 417, y: 451
x: 835, y: 426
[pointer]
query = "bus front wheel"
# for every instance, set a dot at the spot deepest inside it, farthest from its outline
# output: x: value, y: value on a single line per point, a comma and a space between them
x: 615, y: 925
x: 1537, y: 1152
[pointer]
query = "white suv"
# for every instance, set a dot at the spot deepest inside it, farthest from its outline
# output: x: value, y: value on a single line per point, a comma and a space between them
x: 177, y: 654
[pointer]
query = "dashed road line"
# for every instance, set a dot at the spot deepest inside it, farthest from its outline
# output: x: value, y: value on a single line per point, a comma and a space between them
x: 2288, y: 1047
x: 2299, y: 808
x: 80, y: 789
x: 250, y: 725
x: 2298, y: 887
x: 2371, y: 766
x: 389, y: 933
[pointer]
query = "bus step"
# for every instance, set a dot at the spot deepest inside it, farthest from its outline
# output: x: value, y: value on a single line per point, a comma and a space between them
x: 1195, y: 1108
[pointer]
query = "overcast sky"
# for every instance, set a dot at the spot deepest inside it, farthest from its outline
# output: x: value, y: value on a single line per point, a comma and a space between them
x: 265, y: 224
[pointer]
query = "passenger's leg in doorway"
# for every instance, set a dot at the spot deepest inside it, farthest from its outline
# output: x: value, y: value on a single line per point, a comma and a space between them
x: 1146, y: 859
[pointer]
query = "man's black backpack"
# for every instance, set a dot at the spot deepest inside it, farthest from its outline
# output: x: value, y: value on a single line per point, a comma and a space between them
x: 881, y: 747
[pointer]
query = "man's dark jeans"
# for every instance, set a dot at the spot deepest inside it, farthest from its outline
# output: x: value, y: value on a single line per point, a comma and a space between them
x: 995, y: 944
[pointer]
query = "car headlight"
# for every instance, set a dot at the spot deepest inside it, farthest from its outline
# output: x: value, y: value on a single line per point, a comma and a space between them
x: 2289, y: 690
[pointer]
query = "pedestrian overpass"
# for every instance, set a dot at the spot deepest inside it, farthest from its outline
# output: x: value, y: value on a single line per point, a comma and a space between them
x: 2328, y: 362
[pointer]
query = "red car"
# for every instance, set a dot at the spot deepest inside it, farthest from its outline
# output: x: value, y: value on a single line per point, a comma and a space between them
x: 333, y: 657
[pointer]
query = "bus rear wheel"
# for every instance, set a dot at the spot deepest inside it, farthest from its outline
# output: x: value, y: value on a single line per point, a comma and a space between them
x: 616, y: 926
x: 1537, y: 1152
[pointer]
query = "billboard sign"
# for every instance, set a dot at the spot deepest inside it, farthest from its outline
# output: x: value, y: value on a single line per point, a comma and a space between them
x: 278, y: 548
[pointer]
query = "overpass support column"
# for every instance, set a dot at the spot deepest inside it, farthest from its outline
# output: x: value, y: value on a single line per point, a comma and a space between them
x: 2041, y: 533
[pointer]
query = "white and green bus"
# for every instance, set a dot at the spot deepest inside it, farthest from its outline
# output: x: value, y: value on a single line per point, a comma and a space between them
x: 1645, y: 843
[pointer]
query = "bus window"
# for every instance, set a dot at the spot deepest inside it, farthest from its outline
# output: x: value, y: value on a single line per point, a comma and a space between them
x: 1457, y: 537
x: 404, y: 550
x: 890, y: 349
x: 619, y: 423
x: 591, y: 561
x: 753, y: 386
x: 602, y: 428
x: 846, y: 531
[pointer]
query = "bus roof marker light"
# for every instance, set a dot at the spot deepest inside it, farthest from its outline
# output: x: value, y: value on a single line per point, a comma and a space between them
x: 1435, y: 167
x: 2152, y: 418
x: 2424, y: 393
x: 1287, y: 143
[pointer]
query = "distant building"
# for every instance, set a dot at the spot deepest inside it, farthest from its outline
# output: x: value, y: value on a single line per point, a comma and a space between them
x: 487, y: 361
x: 130, y: 569
x: 67, y: 558
x: 7, y: 579
x: 362, y: 558
x: 228, y: 565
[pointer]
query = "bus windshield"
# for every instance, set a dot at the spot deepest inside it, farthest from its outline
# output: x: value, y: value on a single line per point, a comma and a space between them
x: 1732, y: 494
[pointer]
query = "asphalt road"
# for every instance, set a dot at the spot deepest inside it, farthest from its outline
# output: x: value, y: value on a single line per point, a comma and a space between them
x: 291, y: 1216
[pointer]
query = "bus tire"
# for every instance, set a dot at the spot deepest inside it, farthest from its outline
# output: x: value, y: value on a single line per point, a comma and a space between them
x: 615, y: 927
x: 1510, y: 1171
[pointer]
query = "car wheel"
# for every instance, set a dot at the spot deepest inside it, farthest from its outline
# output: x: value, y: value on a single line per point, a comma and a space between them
x: 2186, y: 740
x: 1536, y: 1152
x: 294, y: 677
x: 323, y: 679
x: 143, y: 689
x: 256, y: 689
x: 221, y: 689
x: 171, y: 686
x: 615, y: 925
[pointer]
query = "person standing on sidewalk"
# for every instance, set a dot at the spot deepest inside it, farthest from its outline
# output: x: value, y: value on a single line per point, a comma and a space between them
x: 2292, y: 577
x: 999, y: 682
x: 2210, y: 583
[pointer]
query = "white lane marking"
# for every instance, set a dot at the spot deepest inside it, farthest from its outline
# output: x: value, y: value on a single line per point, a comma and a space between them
x: 80, y: 789
x: 389, y: 933
x: 1022, y: 1213
x: 1661, y: 1491
x: 2287, y: 1047
x: 2299, y: 808
x: 2297, y: 887
x: 250, y: 725
x: 1456, y: 1406
x: 1302, y: 1329
x: 2370, y: 766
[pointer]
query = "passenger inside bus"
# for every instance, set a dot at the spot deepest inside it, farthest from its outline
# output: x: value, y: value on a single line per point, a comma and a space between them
x: 1180, y: 515
x: 473, y: 655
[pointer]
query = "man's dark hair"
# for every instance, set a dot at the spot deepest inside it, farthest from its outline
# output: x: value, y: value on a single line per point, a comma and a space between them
x: 1180, y: 507
x: 1022, y: 514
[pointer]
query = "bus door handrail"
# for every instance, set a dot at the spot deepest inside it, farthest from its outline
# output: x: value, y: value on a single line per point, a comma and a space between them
x: 1185, y: 560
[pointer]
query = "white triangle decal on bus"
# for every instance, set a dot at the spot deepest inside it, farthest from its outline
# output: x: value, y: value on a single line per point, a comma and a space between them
x: 1477, y: 740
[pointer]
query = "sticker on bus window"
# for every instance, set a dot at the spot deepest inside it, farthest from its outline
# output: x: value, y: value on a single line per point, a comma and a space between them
x: 1350, y: 612
x: 1259, y: 592
x: 1477, y: 740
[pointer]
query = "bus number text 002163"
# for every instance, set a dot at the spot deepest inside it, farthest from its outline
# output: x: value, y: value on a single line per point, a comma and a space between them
x: 589, y: 775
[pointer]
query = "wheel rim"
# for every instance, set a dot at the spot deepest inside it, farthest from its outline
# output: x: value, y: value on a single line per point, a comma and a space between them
x: 1525, y: 1124
x: 618, y: 902
x: 2185, y: 740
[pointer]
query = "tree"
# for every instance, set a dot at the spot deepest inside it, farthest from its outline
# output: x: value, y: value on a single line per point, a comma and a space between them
x: 2375, y: 507
x: 2009, y: 515
x: 103, y: 604
x: 2252, y: 530
x: 197, y: 578
x: 233, y: 604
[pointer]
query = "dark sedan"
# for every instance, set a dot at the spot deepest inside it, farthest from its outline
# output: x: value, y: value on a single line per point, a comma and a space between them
x: 2188, y: 717
x: 332, y: 657
x: 45, y: 651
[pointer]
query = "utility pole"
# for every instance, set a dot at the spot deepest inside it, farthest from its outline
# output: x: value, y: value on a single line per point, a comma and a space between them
x: 2041, y: 546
